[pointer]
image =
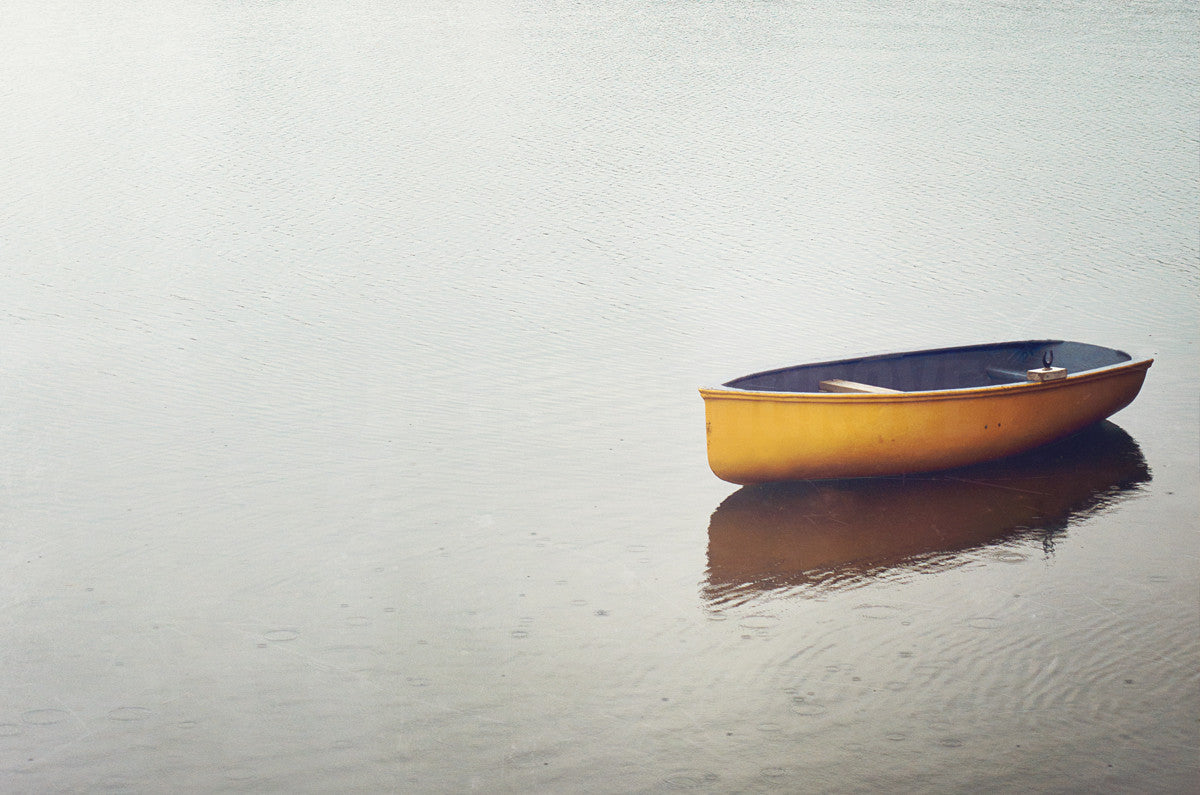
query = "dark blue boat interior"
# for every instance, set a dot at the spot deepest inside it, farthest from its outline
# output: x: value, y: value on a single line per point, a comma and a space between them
x: 945, y: 368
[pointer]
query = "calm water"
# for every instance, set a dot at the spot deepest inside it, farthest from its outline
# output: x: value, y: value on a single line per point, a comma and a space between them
x: 348, y: 415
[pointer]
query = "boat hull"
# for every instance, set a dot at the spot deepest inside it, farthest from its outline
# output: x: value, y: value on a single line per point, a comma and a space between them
x: 761, y: 437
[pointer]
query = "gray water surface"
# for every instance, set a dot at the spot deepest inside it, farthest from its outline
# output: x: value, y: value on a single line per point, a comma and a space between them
x: 348, y: 409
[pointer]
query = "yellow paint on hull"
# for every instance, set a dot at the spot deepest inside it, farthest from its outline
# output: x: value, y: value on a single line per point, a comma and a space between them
x: 760, y: 437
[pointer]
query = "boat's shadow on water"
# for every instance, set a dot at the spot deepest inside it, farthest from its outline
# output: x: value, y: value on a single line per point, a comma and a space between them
x: 810, y: 537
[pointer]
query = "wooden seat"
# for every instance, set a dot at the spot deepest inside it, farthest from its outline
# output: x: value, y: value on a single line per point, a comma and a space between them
x: 1044, y: 374
x: 838, y: 385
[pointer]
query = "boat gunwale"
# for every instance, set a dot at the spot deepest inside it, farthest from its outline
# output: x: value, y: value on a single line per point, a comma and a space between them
x: 1096, y: 373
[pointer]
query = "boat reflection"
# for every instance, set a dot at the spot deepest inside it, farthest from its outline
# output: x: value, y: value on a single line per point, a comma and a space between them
x: 811, y: 537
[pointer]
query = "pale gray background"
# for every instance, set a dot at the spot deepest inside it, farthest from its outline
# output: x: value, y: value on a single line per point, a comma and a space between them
x: 348, y: 356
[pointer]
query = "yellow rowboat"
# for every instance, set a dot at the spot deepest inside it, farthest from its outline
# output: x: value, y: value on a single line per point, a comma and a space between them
x: 912, y: 412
